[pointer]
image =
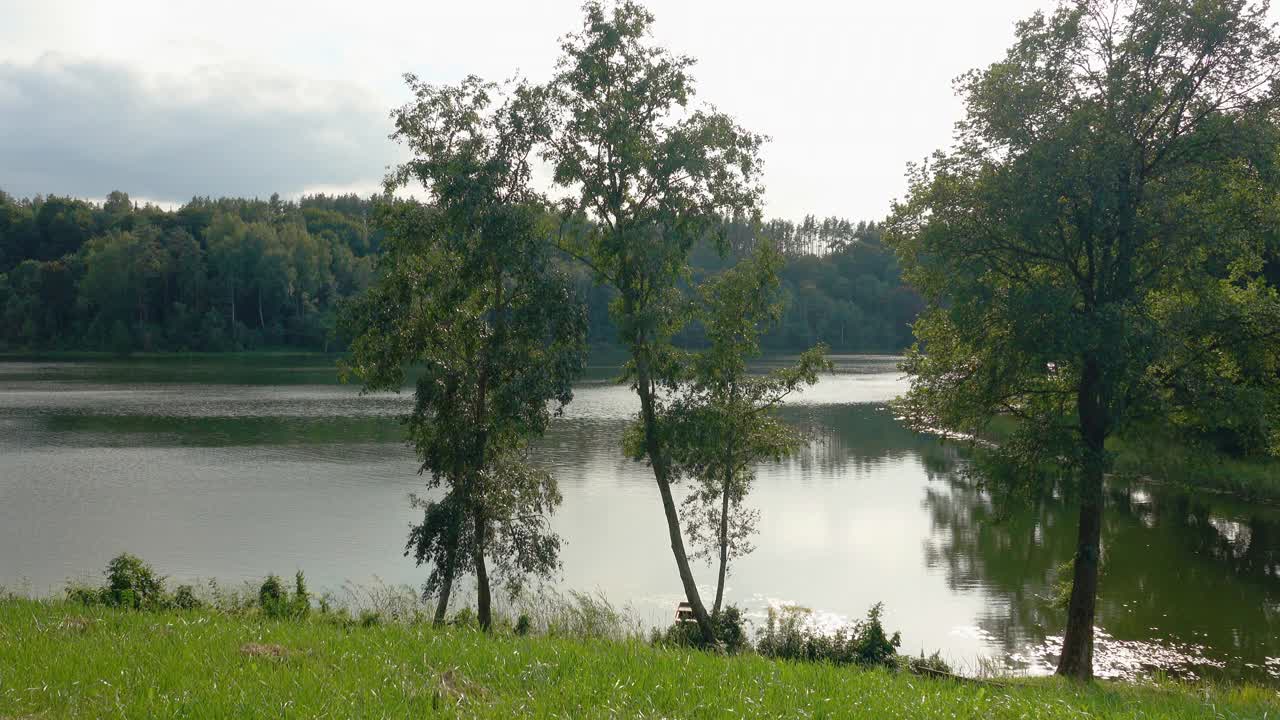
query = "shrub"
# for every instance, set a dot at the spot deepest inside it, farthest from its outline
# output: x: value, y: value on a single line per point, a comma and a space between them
x: 301, y: 603
x: 523, y: 624
x: 787, y: 636
x: 930, y: 665
x: 277, y: 603
x: 466, y: 618
x: 184, y: 598
x: 728, y: 625
x: 370, y: 618
x: 132, y: 583
x: 86, y: 595
x: 271, y: 597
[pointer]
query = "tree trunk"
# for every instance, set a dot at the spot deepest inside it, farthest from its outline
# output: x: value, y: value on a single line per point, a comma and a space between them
x: 1077, y: 644
x: 724, y: 544
x: 482, y: 574
x: 658, y: 461
x: 446, y: 589
x: 261, y: 323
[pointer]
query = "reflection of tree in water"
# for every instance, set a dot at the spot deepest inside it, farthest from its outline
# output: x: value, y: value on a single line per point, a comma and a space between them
x: 1187, y: 572
x: 855, y: 438
x: 589, y: 448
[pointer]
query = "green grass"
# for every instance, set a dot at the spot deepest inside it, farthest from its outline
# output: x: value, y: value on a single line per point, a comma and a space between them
x: 1168, y: 461
x: 1154, y: 454
x: 63, y: 660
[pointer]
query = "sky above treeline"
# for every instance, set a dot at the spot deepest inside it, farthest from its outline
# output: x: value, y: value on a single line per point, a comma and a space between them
x: 166, y: 99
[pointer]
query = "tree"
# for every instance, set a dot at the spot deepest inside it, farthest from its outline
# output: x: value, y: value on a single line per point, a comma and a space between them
x: 1104, y: 212
x: 649, y: 179
x: 120, y: 270
x: 63, y: 225
x: 468, y: 294
x: 723, y: 420
x: 228, y: 258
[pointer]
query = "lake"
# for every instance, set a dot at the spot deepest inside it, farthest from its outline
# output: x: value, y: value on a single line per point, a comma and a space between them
x: 233, y: 468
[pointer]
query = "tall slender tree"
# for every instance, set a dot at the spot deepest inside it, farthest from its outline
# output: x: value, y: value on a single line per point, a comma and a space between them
x: 1105, y: 211
x: 723, y: 420
x: 651, y: 176
x: 469, y: 296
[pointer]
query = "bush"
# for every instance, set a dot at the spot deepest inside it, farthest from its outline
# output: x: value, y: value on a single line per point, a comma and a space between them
x: 276, y: 602
x: 930, y: 665
x: 465, y: 618
x: 86, y: 595
x: 728, y: 625
x: 271, y: 597
x: 301, y: 604
x: 787, y: 636
x: 184, y: 598
x: 132, y: 583
x: 523, y: 624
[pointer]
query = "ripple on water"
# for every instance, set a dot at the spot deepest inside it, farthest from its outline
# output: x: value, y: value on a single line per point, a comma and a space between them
x: 1124, y: 659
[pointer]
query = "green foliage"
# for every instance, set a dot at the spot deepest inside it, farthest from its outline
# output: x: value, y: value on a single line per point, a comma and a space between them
x: 213, y: 275
x: 193, y: 278
x: 1092, y: 251
x: 184, y: 598
x: 646, y: 177
x: 722, y: 419
x: 927, y: 665
x: 786, y: 635
x: 272, y: 597
x: 523, y: 624
x: 466, y: 618
x: 730, y: 633
x: 469, y: 296
x: 133, y: 583
x: 276, y: 602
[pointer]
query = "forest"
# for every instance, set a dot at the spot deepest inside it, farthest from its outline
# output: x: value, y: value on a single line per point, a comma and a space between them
x: 238, y: 274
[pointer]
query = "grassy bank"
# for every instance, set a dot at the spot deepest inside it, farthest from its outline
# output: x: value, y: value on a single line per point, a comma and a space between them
x: 1152, y: 454
x: 59, y: 659
x: 1161, y: 459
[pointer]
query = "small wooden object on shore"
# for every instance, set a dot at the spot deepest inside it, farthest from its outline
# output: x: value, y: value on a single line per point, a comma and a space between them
x: 684, y: 613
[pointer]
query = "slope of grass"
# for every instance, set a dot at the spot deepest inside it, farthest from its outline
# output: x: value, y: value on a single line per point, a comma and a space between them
x: 59, y: 659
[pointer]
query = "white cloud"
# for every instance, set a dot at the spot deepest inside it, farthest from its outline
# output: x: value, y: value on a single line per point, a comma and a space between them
x: 85, y: 127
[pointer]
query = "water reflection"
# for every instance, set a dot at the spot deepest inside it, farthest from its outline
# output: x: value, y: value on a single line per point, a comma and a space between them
x: 233, y: 471
x: 1189, y: 586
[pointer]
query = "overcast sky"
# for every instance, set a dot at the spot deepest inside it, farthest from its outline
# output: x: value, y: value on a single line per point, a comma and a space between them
x: 166, y: 99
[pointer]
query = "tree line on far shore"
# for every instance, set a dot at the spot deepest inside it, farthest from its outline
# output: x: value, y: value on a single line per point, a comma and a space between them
x: 240, y: 274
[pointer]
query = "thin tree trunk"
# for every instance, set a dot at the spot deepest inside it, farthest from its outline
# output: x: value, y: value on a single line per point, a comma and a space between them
x: 261, y: 323
x: 724, y: 544
x: 483, y: 611
x: 660, y: 472
x: 1077, y: 644
x: 446, y: 589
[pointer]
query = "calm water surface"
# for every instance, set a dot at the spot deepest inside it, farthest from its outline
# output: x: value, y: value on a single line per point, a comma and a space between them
x: 231, y: 469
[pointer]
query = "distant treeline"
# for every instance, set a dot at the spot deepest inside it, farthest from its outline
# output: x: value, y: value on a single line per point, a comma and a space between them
x: 246, y: 274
